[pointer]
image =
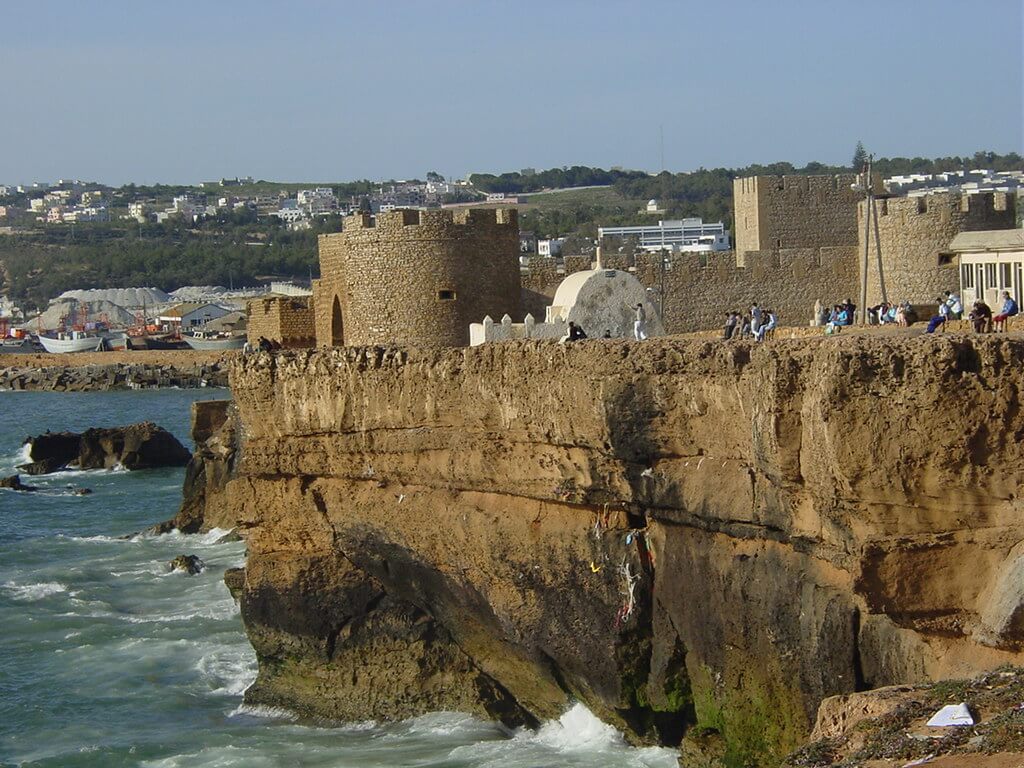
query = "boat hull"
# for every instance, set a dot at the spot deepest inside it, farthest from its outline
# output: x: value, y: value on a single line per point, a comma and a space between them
x: 63, y: 346
x: 207, y: 345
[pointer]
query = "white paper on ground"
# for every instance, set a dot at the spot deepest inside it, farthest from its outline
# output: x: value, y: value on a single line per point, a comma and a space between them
x: 952, y: 714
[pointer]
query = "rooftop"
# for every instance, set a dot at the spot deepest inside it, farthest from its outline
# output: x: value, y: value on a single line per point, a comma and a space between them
x: 989, y: 240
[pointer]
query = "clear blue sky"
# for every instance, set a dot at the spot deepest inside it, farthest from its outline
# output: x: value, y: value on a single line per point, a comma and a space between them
x: 190, y: 90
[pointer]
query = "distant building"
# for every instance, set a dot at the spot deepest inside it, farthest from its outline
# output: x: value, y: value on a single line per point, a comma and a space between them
x: 55, y: 215
x: 684, y: 234
x: 551, y: 247
x: 137, y: 211
x: 37, y: 205
x: 965, y: 182
x: 527, y: 242
x: 5, y: 211
x: 92, y: 197
x: 190, y: 315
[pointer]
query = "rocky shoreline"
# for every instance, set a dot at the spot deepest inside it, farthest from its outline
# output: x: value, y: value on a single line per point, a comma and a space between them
x: 103, y: 371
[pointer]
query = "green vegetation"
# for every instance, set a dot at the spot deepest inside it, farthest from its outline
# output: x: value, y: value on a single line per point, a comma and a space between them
x: 233, y: 249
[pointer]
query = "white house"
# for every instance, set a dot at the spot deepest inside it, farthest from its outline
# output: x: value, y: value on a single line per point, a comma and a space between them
x: 190, y: 315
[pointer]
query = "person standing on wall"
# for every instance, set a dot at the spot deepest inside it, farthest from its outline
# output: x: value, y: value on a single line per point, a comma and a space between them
x: 755, y: 319
x: 640, y: 323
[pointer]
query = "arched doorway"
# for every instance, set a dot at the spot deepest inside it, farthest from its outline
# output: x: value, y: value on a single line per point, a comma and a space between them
x: 337, y: 328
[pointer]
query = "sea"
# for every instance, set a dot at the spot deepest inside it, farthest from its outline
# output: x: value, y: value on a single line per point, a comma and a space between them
x: 109, y: 659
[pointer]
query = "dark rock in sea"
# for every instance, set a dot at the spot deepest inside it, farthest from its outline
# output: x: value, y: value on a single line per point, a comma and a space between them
x: 190, y: 564
x: 136, y: 446
x: 229, y: 537
x: 234, y: 579
x: 14, y: 483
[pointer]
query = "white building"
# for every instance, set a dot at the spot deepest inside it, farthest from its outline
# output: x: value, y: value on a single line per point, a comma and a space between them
x: 191, y: 315
x: 137, y: 211
x: 991, y: 261
x: 963, y: 182
x: 290, y: 214
x: 684, y: 234
x: 37, y: 205
x: 551, y: 247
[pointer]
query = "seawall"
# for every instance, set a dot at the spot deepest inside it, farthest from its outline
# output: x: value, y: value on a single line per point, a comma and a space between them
x: 86, y: 372
x: 677, y: 532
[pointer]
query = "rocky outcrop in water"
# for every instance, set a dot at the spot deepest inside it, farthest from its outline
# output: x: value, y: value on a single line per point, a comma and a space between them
x: 675, y: 533
x: 211, y: 465
x: 136, y: 446
x: 14, y: 483
x: 187, y: 564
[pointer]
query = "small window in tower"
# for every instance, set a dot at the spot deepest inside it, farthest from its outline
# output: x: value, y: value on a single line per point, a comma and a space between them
x: 446, y: 295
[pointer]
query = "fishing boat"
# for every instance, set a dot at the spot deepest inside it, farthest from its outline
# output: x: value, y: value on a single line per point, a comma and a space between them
x: 72, y: 341
x: 207, y: 341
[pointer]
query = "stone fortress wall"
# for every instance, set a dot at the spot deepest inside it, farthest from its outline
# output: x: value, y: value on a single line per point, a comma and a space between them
x: 287, y: 320
x: 416, y: 277
x: 915, y: 233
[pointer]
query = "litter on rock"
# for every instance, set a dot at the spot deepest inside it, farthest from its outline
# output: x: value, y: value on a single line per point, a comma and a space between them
x: 919, y: 761
x: 951, y: 714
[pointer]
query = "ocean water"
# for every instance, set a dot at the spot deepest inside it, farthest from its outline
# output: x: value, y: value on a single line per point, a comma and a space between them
x: 107, y: 659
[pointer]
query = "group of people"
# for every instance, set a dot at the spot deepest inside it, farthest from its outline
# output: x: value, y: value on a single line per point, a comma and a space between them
x: 981, y: 317
x: 901, y: 314
x: 837, y: 317
x: 758, y: 324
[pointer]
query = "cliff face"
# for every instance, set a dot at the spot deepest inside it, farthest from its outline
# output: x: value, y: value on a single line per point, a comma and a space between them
x: 672, y: 532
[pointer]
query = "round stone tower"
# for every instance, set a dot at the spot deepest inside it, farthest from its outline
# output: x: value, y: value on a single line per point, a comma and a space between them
x: 416, y: 277
x: 915, y: 233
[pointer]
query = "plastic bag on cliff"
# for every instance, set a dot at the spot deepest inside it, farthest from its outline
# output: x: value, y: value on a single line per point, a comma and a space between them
x: 951, y: 714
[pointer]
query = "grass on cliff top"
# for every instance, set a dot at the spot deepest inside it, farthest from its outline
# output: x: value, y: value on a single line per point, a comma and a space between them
x: 996, y: 701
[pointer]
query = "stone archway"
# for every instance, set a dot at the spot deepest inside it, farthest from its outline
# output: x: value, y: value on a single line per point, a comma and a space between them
x: 337, y: 325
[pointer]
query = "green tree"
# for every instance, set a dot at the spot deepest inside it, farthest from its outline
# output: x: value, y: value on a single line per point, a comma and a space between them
x: 860, y: 157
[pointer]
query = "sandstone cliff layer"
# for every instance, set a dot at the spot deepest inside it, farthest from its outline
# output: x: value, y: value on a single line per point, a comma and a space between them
x: 674, y: 532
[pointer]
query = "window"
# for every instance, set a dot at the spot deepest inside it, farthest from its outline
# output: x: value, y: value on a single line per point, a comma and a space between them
x: 1018, y: 285
x: 1004, y: 276
x: 446, y: 295
x: 990, y: 275
x: 967, y: 275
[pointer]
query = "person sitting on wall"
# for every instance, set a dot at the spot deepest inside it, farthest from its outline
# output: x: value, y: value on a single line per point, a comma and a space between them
x: 981, y: 317
x: 755, y: 318
x: 264, y: 344
x: 1009, y: 310
x: 607, y: 333
x: 941, y: 318
x: 745, y: 326
x: 889, y: 318
x: 851, y: 311
x: 826, y: 315
x: 767, y: 330
x: 836, y: 320
x: 575, y: 333
x: 731, y: 320
x: 956, y: 307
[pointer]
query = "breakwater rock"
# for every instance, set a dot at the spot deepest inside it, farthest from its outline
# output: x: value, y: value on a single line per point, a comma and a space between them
x: 676, y: 533
x: 136, y: 446
x: 86, y: 372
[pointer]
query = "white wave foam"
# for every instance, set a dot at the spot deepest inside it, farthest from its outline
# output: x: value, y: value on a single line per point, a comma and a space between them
x: 263, y: 712
x: 25, y: 453
x: 29, y: 593
x: 231, y: 670
x: 577, y: 730
x: 578, y: 737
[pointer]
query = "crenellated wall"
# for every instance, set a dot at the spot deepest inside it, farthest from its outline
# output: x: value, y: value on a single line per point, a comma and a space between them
x: 288, y: 321
x: 915, y: 233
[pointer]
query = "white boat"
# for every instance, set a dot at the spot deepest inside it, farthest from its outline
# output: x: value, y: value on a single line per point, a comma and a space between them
x: 206, y: 341
x: 72, y: 341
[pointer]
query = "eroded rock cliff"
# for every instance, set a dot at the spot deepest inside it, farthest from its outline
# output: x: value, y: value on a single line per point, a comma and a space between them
x: 673, y: 532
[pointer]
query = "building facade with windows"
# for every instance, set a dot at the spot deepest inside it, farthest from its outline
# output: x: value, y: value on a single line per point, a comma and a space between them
x: 680, y: 234
x: 991, y: 262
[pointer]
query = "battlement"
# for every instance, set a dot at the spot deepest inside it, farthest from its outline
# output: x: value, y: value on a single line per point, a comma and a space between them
x: 400, y: 221
x: 939, y: 205
x: 797, y: 184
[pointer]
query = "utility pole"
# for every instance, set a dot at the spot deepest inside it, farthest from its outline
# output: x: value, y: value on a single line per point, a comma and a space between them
x: 868, y: 195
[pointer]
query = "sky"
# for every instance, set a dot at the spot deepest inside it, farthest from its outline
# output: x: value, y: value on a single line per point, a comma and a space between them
x: 188, y: 91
